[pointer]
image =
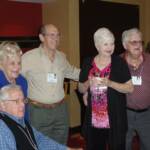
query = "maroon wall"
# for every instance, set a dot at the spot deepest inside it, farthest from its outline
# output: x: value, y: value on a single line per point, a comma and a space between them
x: 19, y: 19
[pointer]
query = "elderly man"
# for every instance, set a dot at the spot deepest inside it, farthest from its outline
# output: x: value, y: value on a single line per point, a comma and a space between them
x: 138, y: 102
x: 45, y: 68
x: 15, y: 132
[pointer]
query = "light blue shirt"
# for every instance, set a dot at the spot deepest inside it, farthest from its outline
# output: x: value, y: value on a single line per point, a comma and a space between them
x: 7, y: 139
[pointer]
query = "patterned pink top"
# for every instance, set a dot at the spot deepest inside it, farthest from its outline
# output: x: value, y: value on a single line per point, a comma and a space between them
x: 99, y: 100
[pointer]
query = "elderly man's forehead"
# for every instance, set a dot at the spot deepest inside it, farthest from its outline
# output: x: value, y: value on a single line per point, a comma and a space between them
x: 51, y: 28
x: 133, y: 33
x: 137, y: 34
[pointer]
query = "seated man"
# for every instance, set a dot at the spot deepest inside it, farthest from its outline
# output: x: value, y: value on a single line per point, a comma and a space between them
x: 15, y: 132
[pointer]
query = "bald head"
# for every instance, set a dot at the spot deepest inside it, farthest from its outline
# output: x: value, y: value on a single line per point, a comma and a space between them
x: 45, y: 27
x: 49, y: 37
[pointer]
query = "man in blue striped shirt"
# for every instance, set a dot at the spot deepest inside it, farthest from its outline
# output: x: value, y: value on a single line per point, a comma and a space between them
x: 15, y: 132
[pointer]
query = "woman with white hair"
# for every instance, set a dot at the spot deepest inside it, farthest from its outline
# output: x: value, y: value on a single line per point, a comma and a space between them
x: 10, y: 66
x: 104, y: 81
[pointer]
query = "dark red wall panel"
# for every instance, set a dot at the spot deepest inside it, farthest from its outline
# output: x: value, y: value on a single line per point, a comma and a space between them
x: 19, y: 19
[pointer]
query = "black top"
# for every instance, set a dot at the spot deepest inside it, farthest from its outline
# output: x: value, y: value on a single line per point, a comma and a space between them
x: 116, y: 101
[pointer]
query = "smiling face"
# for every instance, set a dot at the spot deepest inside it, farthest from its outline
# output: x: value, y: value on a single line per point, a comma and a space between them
x: 104, y: 42
x: 10, y: 60
x: 106, y: 48
x: 11, y: 67
x: 15, y: 104
x: 134, y: 45
x: 50, y: 38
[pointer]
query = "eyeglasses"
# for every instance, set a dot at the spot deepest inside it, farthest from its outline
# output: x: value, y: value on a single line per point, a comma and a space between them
x: 25, y: 101
x: 52, y: 35
x: 134, y: 43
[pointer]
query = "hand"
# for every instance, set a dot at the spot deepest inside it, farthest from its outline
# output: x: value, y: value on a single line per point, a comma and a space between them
x: 105, y: 82
x: 85, y: 97
x: 99, y: 81
x: 86, y: 84
x: 95, y: 81
x: 83, y: 87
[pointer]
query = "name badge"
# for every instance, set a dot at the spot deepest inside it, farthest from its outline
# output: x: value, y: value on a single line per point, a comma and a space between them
x: 51, y: 78
x: 137, y: 80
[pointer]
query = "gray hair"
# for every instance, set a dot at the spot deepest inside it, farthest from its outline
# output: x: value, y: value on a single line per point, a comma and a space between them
x: 128, y: 33
x: 103, y: 34
x: 9, y: 49
x: 42, y: 29
x: 4, y: 91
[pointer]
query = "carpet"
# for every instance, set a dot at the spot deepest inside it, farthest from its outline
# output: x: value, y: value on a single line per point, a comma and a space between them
x: 76, y: 140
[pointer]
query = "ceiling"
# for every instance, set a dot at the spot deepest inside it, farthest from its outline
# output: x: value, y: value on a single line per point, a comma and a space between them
x: 34, y: 1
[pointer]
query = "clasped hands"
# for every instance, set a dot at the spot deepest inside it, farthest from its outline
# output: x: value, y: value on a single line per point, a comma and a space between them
x: 94, y: 81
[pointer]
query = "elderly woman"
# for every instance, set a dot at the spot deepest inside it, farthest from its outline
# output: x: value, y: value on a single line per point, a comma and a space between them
x: 104, y: 80
x: 10, y: 65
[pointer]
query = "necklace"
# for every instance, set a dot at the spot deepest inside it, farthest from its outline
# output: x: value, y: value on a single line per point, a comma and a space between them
x: 28, y: 136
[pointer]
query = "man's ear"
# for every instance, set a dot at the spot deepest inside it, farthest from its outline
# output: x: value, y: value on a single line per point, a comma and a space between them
x: 41, y: 37
x: 124, y: 46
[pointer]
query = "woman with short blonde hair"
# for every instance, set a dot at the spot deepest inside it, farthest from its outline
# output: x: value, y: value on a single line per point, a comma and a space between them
x: 10, y: 66
x: 9, y: 49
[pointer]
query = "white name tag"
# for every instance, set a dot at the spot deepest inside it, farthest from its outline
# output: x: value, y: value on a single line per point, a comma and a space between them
x: 137, y: 80
x: 51, y: 78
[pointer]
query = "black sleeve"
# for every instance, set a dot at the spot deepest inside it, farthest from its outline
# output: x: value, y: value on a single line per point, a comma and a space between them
x: 126, y: 76
x: 120, y: 70
x: 87, y: 65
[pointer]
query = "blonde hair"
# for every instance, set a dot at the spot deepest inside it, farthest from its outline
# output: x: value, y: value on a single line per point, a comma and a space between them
x: 9, y: 49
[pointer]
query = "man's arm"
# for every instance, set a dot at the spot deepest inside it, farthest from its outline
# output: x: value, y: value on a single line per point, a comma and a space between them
x: 71, y: 72
x: 45, y: 143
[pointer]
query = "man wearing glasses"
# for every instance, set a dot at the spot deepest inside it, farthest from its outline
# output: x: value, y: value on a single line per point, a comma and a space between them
x: 138, y: 102
x: 15, y: 132
x: 45, y: 68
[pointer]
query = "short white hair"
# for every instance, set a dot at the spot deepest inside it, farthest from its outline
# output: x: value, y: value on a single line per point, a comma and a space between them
x: 9, y: 49
x: 103, y: 34
x: 4, y: 91
x: 128, y: 33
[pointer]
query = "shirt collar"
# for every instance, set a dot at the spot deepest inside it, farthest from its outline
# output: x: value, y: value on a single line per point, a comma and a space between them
x: 17, y: 119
